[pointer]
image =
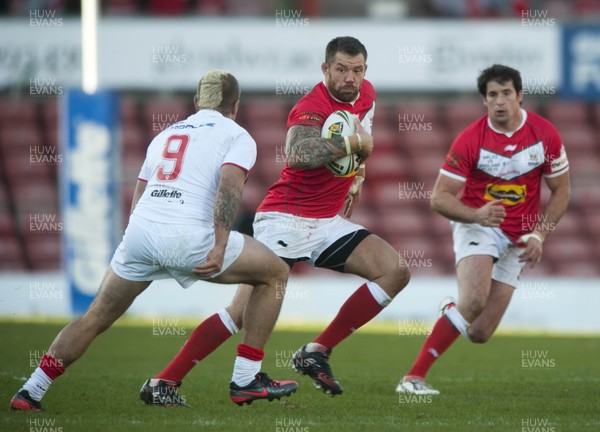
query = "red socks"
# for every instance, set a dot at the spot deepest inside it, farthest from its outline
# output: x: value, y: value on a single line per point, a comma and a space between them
x: 442, y: 336
x: 51, y: 366
x: 250, y: 353
x: 359, y: 309
x: 204, y: 339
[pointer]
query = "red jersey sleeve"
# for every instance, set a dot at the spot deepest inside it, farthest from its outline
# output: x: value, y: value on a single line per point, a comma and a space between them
x: 460, y: 159
x: 556, y: 162
x: 311, y: 110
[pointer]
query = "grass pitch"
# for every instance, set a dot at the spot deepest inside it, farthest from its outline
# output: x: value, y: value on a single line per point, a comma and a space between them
x: 529, y: 383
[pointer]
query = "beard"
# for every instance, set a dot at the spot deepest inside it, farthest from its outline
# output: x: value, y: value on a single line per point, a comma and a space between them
x: 344, y: 96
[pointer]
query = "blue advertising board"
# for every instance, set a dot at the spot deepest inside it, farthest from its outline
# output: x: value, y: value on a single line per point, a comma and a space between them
x: 581, y: 61
x: 89, y: 187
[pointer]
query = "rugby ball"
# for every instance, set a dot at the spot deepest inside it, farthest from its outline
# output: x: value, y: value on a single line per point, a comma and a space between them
x: 341, y: 123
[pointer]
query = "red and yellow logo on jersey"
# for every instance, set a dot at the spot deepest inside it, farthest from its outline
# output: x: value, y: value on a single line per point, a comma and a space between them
x: 510, y: 194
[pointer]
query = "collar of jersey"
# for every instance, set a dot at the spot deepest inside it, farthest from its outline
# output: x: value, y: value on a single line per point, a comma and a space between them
x: 210, y: 112
x: 509, y: 134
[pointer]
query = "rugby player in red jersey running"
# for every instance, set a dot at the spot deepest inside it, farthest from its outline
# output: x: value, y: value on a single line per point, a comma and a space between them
x: 299, y: 221
x: 497, y: 165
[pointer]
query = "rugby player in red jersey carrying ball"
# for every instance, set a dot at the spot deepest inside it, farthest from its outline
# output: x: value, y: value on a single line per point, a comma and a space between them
x: 497, y: 165
x: 308, y: 197
x: 299, y: 221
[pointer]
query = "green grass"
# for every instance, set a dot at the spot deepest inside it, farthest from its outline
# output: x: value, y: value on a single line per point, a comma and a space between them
x: 483, y: 387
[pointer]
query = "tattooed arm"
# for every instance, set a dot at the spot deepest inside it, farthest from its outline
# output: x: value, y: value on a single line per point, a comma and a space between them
x: 305, y: 149
x: 227, y: 203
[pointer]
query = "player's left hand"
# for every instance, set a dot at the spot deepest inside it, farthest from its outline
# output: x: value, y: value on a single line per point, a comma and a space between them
x: 213, y: 263
x: 353, y: 197
x: 532, y: 252
x: 348, y: 206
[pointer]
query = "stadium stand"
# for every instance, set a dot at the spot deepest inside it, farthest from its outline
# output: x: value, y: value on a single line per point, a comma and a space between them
x: 395, y: 200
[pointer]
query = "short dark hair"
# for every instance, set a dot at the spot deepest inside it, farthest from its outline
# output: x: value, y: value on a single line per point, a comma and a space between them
x: 344, y: 44
x: 500, y: 74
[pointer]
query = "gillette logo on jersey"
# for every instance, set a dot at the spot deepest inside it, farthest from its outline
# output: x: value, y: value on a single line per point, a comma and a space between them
x: 165, y: 193
x: 511, y: 167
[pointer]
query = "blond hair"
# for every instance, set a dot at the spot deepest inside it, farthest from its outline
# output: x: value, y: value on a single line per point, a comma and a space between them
x: 218, y: 90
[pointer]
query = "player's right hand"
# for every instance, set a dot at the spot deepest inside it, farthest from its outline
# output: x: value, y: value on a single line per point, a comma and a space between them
x: 491, y: 214
x: 366, y: 139
x: 532, y: 252
x: 213, y: 263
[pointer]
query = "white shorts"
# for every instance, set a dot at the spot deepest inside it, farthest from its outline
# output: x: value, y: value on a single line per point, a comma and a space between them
x: 298, y: 238
x: 474, y: 239
x: 155, y: 250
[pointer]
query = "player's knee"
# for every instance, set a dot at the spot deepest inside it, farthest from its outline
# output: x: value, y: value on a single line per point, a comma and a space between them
x: 403, y: 273
x: 277, y: 274
x: 397, y: 280
x: 403, y: 277
x: 479, y: 336
x: 281, y: 271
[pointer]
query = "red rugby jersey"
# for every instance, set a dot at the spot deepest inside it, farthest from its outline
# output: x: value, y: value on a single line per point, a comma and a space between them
x: 497, y: 165
x: 317, y: 193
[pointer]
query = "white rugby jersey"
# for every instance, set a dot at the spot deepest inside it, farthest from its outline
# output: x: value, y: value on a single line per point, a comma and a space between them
x: 182, y: 167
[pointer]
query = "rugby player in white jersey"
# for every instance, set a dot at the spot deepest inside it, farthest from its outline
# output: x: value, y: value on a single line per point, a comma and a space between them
x: 183, y: 209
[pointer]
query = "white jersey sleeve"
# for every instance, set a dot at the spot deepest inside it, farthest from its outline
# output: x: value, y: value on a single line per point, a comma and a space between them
x: 242, y: 152
x: 144, y: 172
